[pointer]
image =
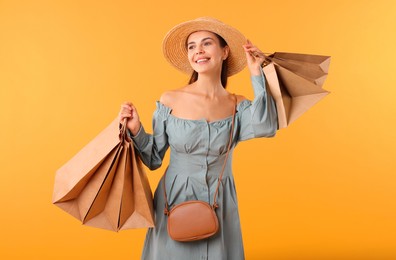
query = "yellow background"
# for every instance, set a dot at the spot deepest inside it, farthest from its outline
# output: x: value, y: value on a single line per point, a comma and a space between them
x: 324, y: 188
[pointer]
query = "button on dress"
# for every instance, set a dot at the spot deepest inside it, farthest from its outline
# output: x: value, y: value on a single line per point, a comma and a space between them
x: 197, y: 154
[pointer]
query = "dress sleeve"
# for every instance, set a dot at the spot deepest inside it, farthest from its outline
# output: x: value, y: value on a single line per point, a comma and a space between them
x: 257, y: 118
x: 152, y: 147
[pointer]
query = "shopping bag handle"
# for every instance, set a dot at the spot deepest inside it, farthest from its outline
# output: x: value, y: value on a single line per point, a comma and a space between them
x: 123, y: 131
x: 266, y: 56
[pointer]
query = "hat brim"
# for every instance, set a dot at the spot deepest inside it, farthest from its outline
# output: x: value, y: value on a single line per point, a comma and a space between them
x: 175, y: 50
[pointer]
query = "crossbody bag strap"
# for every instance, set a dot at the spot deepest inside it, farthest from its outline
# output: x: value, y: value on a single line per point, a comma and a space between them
x: 215, y: 205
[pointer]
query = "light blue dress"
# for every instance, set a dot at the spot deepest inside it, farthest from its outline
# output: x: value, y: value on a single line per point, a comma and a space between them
x: 197, y: 155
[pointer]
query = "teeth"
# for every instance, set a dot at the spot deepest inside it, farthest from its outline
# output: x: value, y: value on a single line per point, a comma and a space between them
x: 201, y: 60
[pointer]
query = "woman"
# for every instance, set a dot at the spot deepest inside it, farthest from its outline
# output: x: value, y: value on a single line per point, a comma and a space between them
x: 195, y: 122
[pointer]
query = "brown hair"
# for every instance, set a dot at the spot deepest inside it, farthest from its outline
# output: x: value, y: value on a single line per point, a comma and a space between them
x: 224, y: 67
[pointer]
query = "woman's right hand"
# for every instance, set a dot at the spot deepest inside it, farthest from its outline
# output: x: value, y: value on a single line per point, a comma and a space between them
x: 129, y: 111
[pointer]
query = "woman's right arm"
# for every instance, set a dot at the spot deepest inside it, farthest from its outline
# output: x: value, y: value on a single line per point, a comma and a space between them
x: 151, y: 148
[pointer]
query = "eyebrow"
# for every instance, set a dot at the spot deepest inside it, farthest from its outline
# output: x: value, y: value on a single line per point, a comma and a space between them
x: 204, y: 39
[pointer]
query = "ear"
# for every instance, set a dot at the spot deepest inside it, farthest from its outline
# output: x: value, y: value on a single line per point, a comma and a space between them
x: 226, y: 51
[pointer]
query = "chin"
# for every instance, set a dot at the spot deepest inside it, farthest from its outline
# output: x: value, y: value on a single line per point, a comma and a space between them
x: 203, y: 70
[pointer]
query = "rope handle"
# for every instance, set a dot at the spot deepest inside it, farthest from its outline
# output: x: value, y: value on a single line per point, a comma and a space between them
x: 268, y: 57
x: 123, y: 131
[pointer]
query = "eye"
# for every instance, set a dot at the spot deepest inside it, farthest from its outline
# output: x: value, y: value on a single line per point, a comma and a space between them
x: 207, y: 43
x: 191, y: 47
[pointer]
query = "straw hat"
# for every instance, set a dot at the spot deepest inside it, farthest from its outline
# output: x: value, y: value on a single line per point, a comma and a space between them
x: 175, y: 50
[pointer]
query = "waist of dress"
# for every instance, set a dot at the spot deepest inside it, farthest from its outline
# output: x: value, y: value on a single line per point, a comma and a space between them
x: 190, y: 163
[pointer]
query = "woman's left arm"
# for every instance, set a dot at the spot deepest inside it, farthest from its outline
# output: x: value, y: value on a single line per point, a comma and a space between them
x: 258, y: 118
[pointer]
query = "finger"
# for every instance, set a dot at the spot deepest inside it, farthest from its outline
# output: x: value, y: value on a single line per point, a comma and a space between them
x: 125, y: 111
x: 135, y: 114
x: 126, y: 107
x: 257, y: 53
x: 249, y: 42
x: 247, y: 46
x: 249, y: 57
x: 127, y: 103
x: 254, y: 54
x: 134, y: 108
x: 125, y: 116
x: 122, y: 119
x: 260, y: 55
x: 253, y: 48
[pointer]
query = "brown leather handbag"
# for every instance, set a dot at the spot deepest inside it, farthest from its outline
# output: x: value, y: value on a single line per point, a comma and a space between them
x: 195, y: 220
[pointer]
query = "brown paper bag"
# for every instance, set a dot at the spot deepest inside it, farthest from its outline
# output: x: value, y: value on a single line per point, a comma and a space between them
x: 104, y: 185
x: 311, y: 67
x: 293, y: 94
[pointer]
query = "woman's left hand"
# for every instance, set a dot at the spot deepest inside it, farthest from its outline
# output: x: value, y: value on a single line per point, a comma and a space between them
x: 254, y: 58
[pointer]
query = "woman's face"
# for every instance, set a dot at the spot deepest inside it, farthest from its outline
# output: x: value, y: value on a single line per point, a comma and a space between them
x: 205, y: 53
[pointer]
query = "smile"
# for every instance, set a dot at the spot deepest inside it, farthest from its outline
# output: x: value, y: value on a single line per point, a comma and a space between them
x: 202, y: 60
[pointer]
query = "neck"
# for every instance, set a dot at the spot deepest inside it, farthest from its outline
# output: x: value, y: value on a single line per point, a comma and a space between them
x: 209, y: 85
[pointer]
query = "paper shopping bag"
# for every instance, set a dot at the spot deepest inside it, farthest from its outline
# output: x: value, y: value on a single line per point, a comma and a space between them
x: 104, y: 185
x: 293, y: 94
x: 311, y: 67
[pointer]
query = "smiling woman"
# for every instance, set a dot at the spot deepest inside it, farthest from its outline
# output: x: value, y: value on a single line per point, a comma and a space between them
x: 202, y: 123
x: 207, y: 42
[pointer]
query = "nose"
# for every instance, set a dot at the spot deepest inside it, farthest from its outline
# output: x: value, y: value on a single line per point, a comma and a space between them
x: 199, y: 50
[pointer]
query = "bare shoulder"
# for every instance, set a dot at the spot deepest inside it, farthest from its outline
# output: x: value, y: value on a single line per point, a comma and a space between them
x: 240, y: 98
x: 169, y: 98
